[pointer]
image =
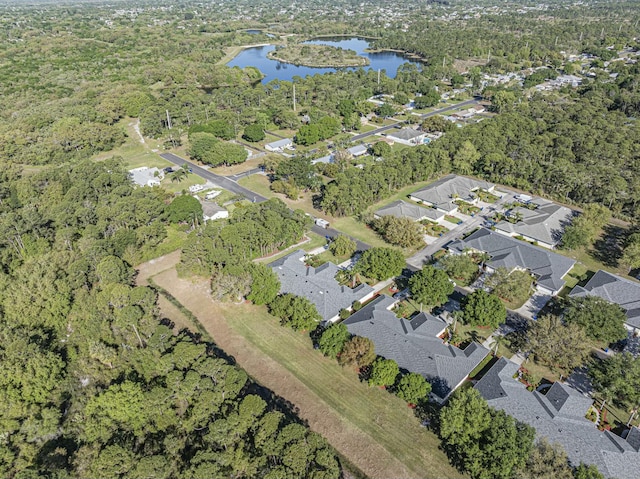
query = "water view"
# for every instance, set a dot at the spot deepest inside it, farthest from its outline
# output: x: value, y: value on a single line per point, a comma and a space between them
x: 273, y: 69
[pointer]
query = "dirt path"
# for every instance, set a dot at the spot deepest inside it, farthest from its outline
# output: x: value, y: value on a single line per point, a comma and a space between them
x: 354, y: 444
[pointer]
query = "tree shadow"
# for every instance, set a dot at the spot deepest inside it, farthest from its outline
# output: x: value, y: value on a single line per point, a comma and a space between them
x: 608, y: 248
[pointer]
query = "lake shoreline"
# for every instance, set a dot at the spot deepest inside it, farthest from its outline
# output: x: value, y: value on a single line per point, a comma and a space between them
x: 285, y: 69
x: 314, y: 57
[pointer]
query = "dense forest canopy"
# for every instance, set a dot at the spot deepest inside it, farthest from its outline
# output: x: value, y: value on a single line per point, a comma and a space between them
x: 95, y: 385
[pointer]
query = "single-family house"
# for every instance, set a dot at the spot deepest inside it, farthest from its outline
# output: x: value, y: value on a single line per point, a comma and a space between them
x: 212, y: 211
x: 544, y: 225
x: 324, y: 159
x: 358, y: 150
x: 443, y: 194
x: 559, y: 417
x: 280, y: 145
x: 402, y: 209
x: 407, y: 136
x: 615, y: 289
x: 547, y: 268
x: 416, y: 346
x: 145, y: 176
x: 318, y: 285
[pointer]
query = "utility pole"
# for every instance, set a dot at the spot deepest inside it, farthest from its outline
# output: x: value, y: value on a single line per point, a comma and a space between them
x: 581, y: 35
x: 443, y: 59
x: 294, y: 97
x: 168, y: 120
x: 556, y: 41
x: 378, y: 76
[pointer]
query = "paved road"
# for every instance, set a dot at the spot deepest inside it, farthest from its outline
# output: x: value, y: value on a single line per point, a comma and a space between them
x: 423, y: 256
x: 229, y: 183
x: 222, y: 181
x: 237, y: 176
x: 382, y: 129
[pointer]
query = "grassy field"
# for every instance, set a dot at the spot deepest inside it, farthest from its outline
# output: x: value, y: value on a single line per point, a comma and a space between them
x: 378, y: 413
x: 136, y: 155
x: 259, y: 184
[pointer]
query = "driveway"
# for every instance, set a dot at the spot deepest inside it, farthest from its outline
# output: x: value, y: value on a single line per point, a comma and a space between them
x: 534, y: 304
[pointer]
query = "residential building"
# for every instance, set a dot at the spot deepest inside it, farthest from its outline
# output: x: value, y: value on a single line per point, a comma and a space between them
x: 559, y: 416
x: 358, y: 150
x: 318, y: 285
x: 280, y: 145
x: 544, y: 225
x: 212, y: 211
x: 407, y: 136
x: 145, y: 176
x: 548, y: 268
x: 325, y: 159
x: 443, y: 194
x: 615, y: 289
x: 402, y: 209
x: 416, y: 346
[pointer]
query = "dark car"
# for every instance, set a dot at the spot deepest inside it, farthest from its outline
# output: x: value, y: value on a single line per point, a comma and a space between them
x: 168, y: 170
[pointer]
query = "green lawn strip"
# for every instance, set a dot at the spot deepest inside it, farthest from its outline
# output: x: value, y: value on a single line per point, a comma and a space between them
x: 354, y: 228
x: 467, y: 332
x: 175, y: 240
x: 315, y: 241
x: 366, y: 128
x: 329, y: 257
x: 452, y: 219
x: 379, y: 414
x: 135, y: 155
x: 585, y: 256
x: 575, y: 274
x: 401, y: 194
x: 483, y: 367
x: 259, y: 184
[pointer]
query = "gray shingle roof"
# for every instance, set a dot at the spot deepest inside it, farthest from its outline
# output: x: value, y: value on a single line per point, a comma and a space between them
x: 559, y: 416
x: 210, y: 208
x: 415, y: 344
x: 318, y: 285
x: 545, y: 224
x: 507, y: 252
x: 280, y: 143
x: 445, y: 191
x: 402, y: 209
x: 406, y: 134
x: 614, y: 289
x: 357, y: 150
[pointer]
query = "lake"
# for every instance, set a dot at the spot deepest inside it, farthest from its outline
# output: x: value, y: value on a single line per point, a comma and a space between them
x: 273, y: 69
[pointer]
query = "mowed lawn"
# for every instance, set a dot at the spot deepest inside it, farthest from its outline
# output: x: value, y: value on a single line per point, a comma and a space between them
x: 379, y: 414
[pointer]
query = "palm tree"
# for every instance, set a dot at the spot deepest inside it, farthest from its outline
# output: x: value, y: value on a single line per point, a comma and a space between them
x: 498, y: 340
x: 181, y: 173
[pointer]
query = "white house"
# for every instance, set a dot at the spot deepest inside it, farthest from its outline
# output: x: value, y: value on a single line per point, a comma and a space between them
x: 408, y: 136
x: 280, y: 145
x: 145, y: 176
x: 212, y: 211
